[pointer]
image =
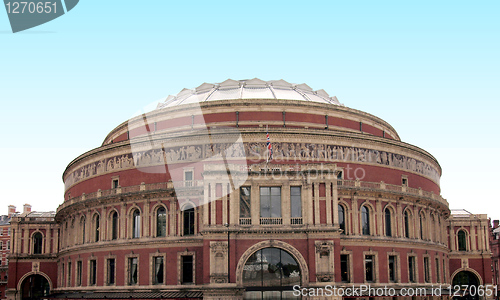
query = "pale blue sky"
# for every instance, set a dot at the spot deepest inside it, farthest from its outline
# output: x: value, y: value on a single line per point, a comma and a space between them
x: 431, y: 69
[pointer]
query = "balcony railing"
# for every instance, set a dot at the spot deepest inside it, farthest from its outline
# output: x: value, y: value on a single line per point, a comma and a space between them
x: 390, y: 187
x: 245, y: 221
x: 271, y: 221
x: 200, y: 183
x: 296, y: 221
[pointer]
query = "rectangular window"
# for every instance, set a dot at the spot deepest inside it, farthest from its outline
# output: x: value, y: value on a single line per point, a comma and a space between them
x: 69, y: 274
x: 438, y: 276
x: 62, y: 275
x: 111, y: 271
x: 8, y: 231
x: 344, y: 267
x: 132, y: 270
x: 93, y: 272
x: 296, y: 202
x: 270, y: 202
x: 427, y: 274
x: 369, y: 265
x: 1, y: 231
x: 187, y: 269
x: 245, y: 205
x: 8, y: 245
x: 158, y: 275
x: 115, y: 183
x: 79, y: 273
x: 1, y: 245
x: 444, y: 271
x: 392, y: 268
x: 188, y: 178
x: 411, y: 269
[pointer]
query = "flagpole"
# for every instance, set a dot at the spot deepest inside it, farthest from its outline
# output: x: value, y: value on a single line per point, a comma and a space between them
x: 267, y: 139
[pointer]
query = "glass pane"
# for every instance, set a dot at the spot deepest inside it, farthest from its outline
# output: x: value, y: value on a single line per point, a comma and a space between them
x: 341, y: 218
x: 114, y: 230
x: 407, y: 225
x: 265, y: 202
x: 296, y: 202
x: 369, y: 267
x: 275, y: 206
x: 344, y: 268
x: 161, y: 222
x: 271, y: 267
x: 388, y: 229
x: 365, y: 220
x: 187, y: 269
x: 136, y: 224
x: 245, y: 205
x: 158, y: 270
x: 189, y: 221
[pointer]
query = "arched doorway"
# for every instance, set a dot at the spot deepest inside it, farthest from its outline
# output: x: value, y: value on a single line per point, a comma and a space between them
x: 271, y: 273
x: 466, y: 278
x: 34, y: 287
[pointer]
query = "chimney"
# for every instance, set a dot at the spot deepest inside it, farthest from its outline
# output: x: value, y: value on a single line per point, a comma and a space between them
x: 495, y: 224
x: 26, y: 208
x: 12, y: 210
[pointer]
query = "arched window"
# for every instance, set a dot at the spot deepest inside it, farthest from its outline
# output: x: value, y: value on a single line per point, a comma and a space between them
x: 462, y: 240
x: 365, y: 220
x: 188, y: 215
x: 114, y: 225
x: 136, y: 224
x: 388, y: 223
x: 407, y: 224
x: 161, y: 221
x: 422, y: 220
x: 342, y: 219
x: 271, y: 273
x: 96, y: 228
x: 37, y: 243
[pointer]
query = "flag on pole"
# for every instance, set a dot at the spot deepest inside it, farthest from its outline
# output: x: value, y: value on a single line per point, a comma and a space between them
x: 269, y: 146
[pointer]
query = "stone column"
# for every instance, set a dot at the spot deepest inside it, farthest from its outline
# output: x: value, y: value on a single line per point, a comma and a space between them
x: 355, y: 214
x: 48, y: 237
x: 379, y: 217
x: 308, y: 203
x: 453, y: 245
x: 234, y: 207
x: 286, y: 203
x: 399, y: 220
x: 123, y: 221
x: 316, y: 203
x: 335, y: 198
x: 145, y: 220
x: 173, y: 217
x: 206, y: 201
x: 328, y: 198
x: 224, y: 200
x: 213, y: 201
x: 255, y: 203
x: 473, y: 234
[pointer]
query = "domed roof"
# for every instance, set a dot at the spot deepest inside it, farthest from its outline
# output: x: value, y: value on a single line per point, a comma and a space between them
x: 249, y: 89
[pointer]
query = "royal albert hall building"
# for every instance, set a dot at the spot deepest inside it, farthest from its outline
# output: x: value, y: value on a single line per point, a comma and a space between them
x: 245, y: 189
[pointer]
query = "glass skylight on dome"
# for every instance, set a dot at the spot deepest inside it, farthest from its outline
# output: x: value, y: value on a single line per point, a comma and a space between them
x: 248, y: 89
